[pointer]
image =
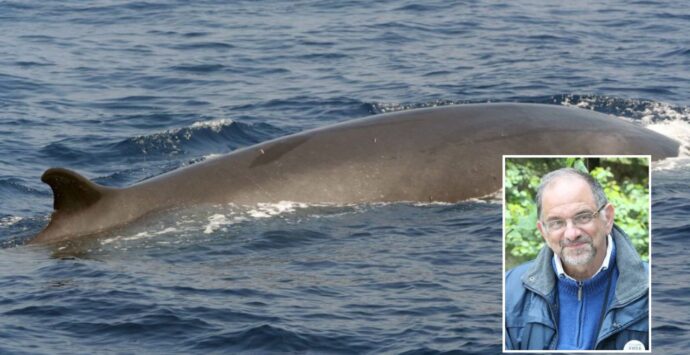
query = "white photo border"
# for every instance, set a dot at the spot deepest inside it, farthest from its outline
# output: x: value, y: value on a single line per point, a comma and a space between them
x: 503, y: 252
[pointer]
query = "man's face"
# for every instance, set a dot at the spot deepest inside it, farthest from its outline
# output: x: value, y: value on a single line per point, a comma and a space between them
x: 566, y: 198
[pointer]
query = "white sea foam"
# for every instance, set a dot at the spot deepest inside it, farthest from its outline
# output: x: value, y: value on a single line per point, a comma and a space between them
x: 220, y: 221
x: 140, y: 235
x: 9, y: 221
x: 672, y: 122
x: 671, y: 163
x: 663, y: 118
x: 171, y: 138
x: 432, y: 203
x: 214, y: 125
x: 265, y: 210
x: 211, y: 156
x: 664, y: 111
x: 585, y: 103
x: 494, y: 198
x: 677, y: 129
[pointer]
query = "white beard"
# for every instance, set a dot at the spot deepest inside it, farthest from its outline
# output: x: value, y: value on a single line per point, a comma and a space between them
x: 580, y: 256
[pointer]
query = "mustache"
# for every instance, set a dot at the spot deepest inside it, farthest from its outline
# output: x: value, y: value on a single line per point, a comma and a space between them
x: 580, y: 239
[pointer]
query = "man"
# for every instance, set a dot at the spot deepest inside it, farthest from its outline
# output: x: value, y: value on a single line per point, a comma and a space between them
x: 588, y: 288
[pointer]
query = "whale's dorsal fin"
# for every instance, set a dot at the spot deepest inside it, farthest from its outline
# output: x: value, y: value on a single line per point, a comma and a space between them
x: 71, y: 191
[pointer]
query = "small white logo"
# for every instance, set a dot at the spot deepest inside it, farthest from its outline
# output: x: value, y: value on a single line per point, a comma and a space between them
x: 634, y: 345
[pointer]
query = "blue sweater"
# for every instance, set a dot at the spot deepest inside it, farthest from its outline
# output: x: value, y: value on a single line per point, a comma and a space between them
x: 581, y: 304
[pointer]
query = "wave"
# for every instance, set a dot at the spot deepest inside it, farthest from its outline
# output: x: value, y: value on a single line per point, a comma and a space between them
x: 120, y: 162
x: 25, y: 197
x: 200, y: 137
x: 271, y: 338
x: 14, y: 185
x: 304, y: 112
x: 16, y: 230
x: 8, y: 221
x: 647, y: 111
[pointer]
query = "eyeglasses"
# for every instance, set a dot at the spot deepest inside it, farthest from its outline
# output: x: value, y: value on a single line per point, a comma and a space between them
x: 579, y: 220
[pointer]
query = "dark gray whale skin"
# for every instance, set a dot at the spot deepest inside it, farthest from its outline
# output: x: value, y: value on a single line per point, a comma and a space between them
x: 448, y: 153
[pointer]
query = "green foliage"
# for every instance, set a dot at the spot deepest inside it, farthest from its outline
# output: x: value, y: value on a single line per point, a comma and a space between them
x: 625, y: 181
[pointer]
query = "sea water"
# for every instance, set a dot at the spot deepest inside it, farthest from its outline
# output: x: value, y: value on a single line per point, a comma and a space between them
x: 122, y: 91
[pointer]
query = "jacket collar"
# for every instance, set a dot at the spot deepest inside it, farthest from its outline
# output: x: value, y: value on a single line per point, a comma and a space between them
x: 540, y: 276
x: 632, y: 280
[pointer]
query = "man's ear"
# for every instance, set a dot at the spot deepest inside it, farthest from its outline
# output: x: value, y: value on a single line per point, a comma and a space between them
x: 542, y: 231
x: 610, y: 214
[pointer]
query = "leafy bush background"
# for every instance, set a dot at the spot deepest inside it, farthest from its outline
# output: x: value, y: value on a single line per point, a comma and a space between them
x: 625, y: 181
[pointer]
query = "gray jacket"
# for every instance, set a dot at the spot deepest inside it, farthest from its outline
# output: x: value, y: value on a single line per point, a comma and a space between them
x: 531, y: 302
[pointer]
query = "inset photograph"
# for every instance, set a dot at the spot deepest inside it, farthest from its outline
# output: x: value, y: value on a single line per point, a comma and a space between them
x: 576, y: 253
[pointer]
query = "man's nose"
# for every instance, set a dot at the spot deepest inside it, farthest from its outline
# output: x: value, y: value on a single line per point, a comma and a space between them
x: 572, y: 232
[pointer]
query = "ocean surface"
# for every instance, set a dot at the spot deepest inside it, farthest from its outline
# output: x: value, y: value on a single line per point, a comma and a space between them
x: 122, y: 91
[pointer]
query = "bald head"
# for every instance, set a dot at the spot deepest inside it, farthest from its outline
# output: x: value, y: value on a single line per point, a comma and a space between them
x: 570, y: 173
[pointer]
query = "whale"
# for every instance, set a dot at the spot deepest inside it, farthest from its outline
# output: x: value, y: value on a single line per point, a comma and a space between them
x: 441, y: 154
